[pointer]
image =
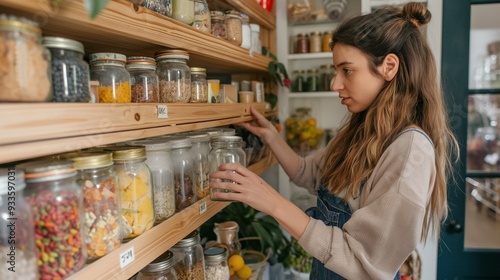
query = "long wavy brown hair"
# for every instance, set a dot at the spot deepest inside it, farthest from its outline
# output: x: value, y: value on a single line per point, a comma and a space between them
x: 412, y: 98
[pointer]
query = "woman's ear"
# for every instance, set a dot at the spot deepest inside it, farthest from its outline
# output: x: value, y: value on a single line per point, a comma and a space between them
x: 390, y: 66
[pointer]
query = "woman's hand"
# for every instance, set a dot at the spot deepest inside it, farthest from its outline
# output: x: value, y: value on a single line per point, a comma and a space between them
x: 260, y: 126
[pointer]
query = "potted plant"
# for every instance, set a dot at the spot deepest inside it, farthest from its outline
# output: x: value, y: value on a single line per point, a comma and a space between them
x: 299, y: 261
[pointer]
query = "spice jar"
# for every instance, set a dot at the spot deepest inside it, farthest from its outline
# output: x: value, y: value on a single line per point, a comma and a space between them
x: 160, y: 164
x: 199, y: 85
x: 159, y: 269
x: 189, y: 262
x: 25, y: 62
x: 298, y: 81
x: 174, y: 76
x: 101, y: 203
x: 326, y: 75
x: 57, y: 204
x: 327, y: 39
x: 200, y: 149
x: 216, y: 267
x: 114, y: 79
x: 246, y: 33
x: 135, y: 187
x: 233, y: 27
x: 183, y: 11
x: 163, y: 7
x: 225, y: 149
x: 227, y: 236
x: 70, y: 73
x: 315, y: 42
x: 302, y: 43
x: 184, y: 174
x: 144, y: 83
x: 17, y: 237
x: 218, y: 24
x: 312, y: 80
x: 202, y: 20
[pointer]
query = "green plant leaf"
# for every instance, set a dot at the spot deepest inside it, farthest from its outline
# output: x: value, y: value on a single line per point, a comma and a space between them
x: 282, y: 70
x: 94, y: 7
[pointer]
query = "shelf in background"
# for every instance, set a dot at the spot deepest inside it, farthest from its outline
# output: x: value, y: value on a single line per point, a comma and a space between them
x: 318, y: 94
x: 300, y: 56
x: 255, y: 12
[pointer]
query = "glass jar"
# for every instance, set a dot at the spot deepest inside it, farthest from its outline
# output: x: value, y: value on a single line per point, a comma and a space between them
x: 174, y: 75
x: 114, y: 79
x: 327, y: 39
x: 302, y: 43
x: 326, y: 74
x: 163, y: 7
x: 233, y: 27
x: 159, y: 269
x: 298, y: 81
x: 17, y: 237
x: 144, y: 83
x: 189, y: 262
x: 160, y: 164
x: 200, y: 150
x: 246, y: 33
x: 199, y: 85
x: 225, y: 149
x: 218, y: 24
x: 256, y: 44
x: 227, y: 237
x: 25, y: 62
x: 184, y: 174
x: 101, y: 203
x: 70, y: 73
x: 135, y: 187
x: 216, y: 267
x: 57, y: 204
x: 183, y: 11
x: 202, y: 20
x: 312, y: 80
x: 315, y: 42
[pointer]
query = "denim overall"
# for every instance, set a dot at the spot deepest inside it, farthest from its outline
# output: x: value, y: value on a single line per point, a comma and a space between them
x: 332, y: 211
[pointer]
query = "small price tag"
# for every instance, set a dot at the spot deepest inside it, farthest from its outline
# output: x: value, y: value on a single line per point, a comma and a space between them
x: 162, y: 111
x: 127, y: 257
x: 203, y: 208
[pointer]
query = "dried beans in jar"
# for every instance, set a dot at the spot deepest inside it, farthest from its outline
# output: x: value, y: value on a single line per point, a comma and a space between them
x: 144, y: 83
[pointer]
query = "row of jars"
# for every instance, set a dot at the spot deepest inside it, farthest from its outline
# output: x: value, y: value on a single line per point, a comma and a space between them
x: 313, y: 42
x: 80, y: 206
x: 313, y: 80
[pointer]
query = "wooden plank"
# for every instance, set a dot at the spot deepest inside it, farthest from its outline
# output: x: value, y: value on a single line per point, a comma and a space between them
x: 256, y: 12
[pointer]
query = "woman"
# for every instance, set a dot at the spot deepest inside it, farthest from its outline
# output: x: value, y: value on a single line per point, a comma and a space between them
x: 381, y: 182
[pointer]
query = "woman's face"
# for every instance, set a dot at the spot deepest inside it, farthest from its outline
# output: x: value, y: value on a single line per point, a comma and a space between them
x: 356, y: 84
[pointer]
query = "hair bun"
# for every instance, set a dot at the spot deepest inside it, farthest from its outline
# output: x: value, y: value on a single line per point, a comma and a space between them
x: 416, y: 13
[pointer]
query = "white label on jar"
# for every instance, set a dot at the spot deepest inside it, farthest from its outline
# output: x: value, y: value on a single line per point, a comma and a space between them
x: 127, y: 257
x: 162, y: 111
x: 203, y: 208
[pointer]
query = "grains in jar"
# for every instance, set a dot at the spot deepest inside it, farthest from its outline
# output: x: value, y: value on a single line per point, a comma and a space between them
x: 114, y: 79
x: 174, y: 75
x: 218, y: 28
x: 199, y: 85
x: 143, y: 79
x: 233, y: 27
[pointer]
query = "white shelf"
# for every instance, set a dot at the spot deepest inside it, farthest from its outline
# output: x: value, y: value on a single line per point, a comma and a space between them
x: 317, y: 94
x: 300, y: 56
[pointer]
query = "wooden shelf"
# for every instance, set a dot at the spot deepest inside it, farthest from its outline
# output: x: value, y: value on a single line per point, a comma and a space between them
x: 133, y: 30
x: 255, y: 12
x: 318, y: 94
x: 303, y: 56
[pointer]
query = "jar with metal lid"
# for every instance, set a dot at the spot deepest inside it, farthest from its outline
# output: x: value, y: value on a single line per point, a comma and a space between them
x: 57, y: 204
x: 218, y: 24
x: 200, y: 149
x: 160, y: 164
x: 114, y: 79
x: 184, y: 173
x: 202, y: 20
x: 225, y: 149
x: 159, y: 269
x: 199, y: 85
x: 144, y: 83
x: 312, y: 80
x: 216, y: 267
x: 302, y: 43
x: 246, y: 33
x: 315, y: 42
x: 17, y: 237
x: 135, y: 187
x: 70, y: 73
x: 326, y: 74
x: 233, y: 27
x: 163, y: 7
x: 183, y: 11
x: 25, y: 67
x: 298, y: 81
x: 189, y: 262
x: 174, y: 75
x: 227, y: 236
x: 101, y: 203
x: 327, y: 39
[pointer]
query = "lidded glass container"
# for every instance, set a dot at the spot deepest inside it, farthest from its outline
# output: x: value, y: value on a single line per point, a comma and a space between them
x: 200, y: 150
x: 189, y: 262
x: 70, y: 73
x: 159, y: 269
x: 160, y: 163
x: 218, y: 24
x: 101, y: 203
x: 327, y: 39
x: 216, y: 267
x: 163, y: 7
x: 25, y: 62
x: 57, y: 204
x: 225, y: 149
x: 135, y: 187
x: 183, y: 11
x: 256, y: 43
x: 199, y: 85
x: 326, y: 74
x: 227, y: 236
x: 202, y: 20
x: 312, y: 80
x: 233, y: 27
x: 17, y: 237
x: 184, y: 174
x: 246, y: 33
x: 315, y: 42
x: 144, y: 84
x: 114, y: 79
x: 302, y: 43
x: 174, y: 75
x: 297, y: 81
